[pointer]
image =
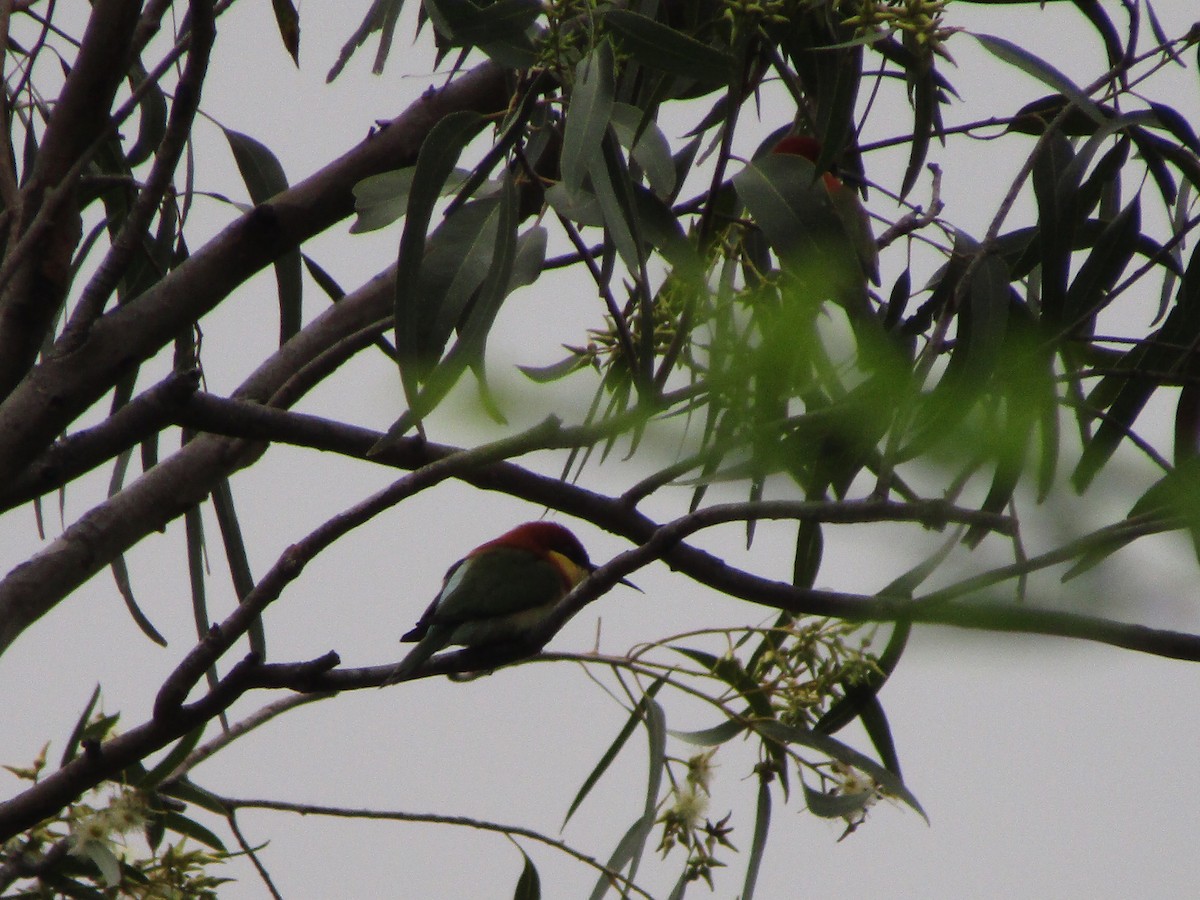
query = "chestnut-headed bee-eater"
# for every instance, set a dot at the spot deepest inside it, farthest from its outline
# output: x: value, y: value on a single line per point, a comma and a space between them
x: 850, y: 212
x: 498, y: 592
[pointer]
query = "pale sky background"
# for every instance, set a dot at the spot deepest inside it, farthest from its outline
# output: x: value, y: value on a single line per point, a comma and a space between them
x: 1048, y: 768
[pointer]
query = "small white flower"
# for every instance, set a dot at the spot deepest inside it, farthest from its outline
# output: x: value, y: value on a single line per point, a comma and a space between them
x: 91, y: 839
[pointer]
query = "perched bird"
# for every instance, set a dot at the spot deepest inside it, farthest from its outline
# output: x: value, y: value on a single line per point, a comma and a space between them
x: 498, y: 592
x: 846, y: 206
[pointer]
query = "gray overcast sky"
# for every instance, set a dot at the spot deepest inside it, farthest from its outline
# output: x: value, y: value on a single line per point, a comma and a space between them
x: 1049, y: 769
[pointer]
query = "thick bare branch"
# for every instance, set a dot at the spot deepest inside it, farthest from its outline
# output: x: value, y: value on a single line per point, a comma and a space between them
x: 71, y: 379
x: 32, y: 294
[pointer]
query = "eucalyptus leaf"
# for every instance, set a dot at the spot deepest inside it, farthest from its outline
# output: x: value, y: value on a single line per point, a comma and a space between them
x: 379, y: 200
x: 646, y: 143
x: 588, y: 115
x: 658, y: 46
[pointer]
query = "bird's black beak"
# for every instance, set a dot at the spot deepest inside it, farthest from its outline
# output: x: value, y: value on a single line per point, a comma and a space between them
x: 624, y: 581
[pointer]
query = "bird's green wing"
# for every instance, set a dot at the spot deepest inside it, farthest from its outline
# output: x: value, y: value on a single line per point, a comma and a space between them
x: 498, y: 582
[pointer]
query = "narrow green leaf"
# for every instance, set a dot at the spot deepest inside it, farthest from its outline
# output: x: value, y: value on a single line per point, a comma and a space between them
x: 181, y: 824
x: 1172, y: 497
x: 29, y: 149
x: 636, y: 715
x: 466, y: 24
x: 458, y: 257
x: 683, y: 161
x: 193, y: 526
x: 925, y: 100
x: 379, y: 200
x: 72, y: 745
x: 631, y: 846
x: 152, y: 117
x: 810, y: 546
x: 287, y: 20
x: 261, y: 169
x: 1155, y: 152
x: 555, y: 371
x: 1035, y: 116
x: 1125, y: 393
x: 1099, y: 19
x: 838, y: 101
x: 1089, y: 290
x: 587, y: 115
x: 498, y: 29
x: 983, y: 322
x: 1132, y: 394
x: 658, y: 225
x: 656, y: 765
x: 473, y: 330
x: 835, y: 749
x: 530, y: 258
x: 835, y: 806
x: 119, y: 569
x: 435, y: 163
x: 581, y: 207
x: 638, y: 133
x: 629, y: 843
x: 1057, y: 221
x: 171, y: 761
x: 1172, y: 121
x: 154, y: 831
x: 658, y: 46
x: 125, y: 587
x: 529, y: 885
x: 326, y: 282
x: 381, y: 17
x: 497, y: 283
x: 614, y: 191
x: 762, y: 824
x: 1027, y: 62
x: 711, y: 737
x: 679, y: 891
x: 236, y: 556
x: 264, y: 178
x: 1049, y: 431
x: 189, y: 792
x: 515, y: 128
x: 875, y: 722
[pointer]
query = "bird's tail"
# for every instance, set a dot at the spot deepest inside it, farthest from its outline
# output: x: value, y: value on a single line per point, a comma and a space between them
x: 435, y: 639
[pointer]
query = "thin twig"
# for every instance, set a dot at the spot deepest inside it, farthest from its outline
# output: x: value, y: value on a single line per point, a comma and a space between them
x: 231, y: 818
x: 242, y: 728
x: 341, y: 812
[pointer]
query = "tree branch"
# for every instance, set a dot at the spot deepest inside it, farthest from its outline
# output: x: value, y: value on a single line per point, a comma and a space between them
x: 107, y: 760
x: 179, y: 127
x: 31, y: 297
x: 65, y: 384
x: 67, y: 459
x: 312, y: 809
